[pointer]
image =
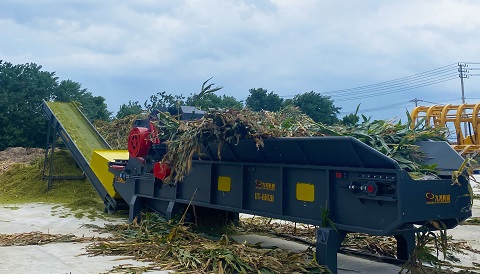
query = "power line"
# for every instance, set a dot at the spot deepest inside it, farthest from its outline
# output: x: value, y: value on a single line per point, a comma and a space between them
x: 413, y: 82
x: 400, y: 104
x: 430, y: 102
x: 396, y: 90
x: 391, y: 88
x: 430, y: 77
x: 391, y: 106
x: 427, y: 74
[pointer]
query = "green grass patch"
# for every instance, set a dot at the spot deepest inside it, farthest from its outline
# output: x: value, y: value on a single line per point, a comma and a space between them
x: 23, y: 183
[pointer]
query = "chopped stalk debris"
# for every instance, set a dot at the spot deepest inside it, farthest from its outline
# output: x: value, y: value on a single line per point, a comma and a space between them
x: 170, y: 245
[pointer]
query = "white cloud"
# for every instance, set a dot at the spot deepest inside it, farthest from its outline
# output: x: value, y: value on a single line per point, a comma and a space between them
x: 116, y: 47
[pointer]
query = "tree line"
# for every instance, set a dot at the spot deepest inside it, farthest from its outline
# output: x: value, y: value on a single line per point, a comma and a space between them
x: 24, y: 86
x: 319, y: 108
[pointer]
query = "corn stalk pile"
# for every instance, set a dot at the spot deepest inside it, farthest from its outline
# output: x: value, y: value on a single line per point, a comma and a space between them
x: 116, y: 132
x: 186, y: 138
x: 174, y: 246
x: 229, y: 126
x: 395, y: 140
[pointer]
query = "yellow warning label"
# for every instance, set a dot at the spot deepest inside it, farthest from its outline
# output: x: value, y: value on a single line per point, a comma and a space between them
x: 224, y: 183
x: 305, y: 192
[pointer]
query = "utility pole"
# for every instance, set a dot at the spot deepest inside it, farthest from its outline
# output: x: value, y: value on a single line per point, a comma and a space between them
x: 415, y: 100
x: 462, y: 74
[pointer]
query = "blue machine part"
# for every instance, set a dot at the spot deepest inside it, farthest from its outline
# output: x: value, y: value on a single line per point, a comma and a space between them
x: 297, y: 179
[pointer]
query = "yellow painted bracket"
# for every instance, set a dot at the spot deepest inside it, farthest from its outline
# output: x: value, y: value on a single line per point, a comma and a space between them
x: 99, y: 165
x: 466, y: 149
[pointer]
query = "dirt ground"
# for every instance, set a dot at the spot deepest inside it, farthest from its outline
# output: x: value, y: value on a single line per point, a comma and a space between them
x: 15, y: 155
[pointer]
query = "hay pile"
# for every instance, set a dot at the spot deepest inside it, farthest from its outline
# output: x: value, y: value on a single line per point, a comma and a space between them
x: 23, y: 182
x: 19, y: 155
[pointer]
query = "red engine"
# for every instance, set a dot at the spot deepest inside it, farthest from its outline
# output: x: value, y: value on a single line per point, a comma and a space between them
x: 140, y: 142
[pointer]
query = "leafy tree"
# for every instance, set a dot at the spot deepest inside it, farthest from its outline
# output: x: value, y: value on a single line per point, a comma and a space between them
x: 22, y: 89
x: 319, y: 108
x: 260, y: 99
x: 129, y: 109
x: 287, y: 102
x: 65, y: 92
x: 230, y: 102
x: 214, y: 101
x: 94, y: 107
x: 204, y: 99
x: 163, y: 100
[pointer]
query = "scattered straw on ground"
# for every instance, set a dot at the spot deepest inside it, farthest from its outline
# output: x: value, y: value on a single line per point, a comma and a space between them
x: 39, y: 238
x: 170, y: 245
x: 432, y: 258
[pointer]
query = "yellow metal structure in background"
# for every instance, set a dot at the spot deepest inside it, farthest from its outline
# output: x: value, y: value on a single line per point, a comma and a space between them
x: 99, y: 165
x: 465, y: 118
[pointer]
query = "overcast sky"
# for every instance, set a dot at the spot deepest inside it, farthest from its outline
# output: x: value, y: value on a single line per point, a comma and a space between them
x: 129, y: 50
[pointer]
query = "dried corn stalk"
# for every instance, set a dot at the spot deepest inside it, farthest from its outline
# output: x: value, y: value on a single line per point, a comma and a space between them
x: 186, y: 138
x: 395, y: 140
x: 116, y: 132
x: 39, y: 238
x: 169, y: 245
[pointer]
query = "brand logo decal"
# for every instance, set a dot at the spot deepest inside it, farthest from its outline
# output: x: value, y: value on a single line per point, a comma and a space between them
x: 432, y: 198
